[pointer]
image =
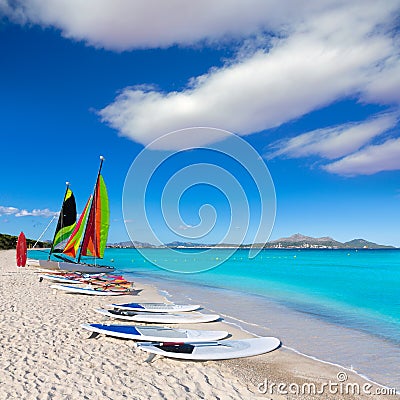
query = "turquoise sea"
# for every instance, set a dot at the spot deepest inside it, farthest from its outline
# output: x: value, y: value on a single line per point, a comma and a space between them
x: 340, y: 306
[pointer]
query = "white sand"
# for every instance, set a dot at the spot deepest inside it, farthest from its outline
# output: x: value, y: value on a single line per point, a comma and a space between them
x: 44, y: 354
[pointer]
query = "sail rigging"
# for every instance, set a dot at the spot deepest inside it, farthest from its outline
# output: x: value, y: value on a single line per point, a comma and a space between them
x: 92, y: 227
x: 87, y: 237
x: 66, y: 222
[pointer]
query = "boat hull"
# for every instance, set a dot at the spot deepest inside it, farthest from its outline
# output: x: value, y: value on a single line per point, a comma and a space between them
x: 73, y: 267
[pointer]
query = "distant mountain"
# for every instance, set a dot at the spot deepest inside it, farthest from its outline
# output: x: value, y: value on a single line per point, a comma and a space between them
x: 300, y: 241
x: 130, y: 244
x: 362, y: 243
x: 297, y: 241
x: 186, y: 244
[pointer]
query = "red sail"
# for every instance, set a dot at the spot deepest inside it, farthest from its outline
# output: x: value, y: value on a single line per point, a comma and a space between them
x: 95, y: 238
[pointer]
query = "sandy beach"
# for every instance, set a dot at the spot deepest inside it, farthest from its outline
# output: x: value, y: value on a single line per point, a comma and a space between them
x: 46, y: 355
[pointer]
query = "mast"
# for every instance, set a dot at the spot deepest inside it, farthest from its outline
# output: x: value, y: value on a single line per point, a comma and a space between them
x: 91, y: 205
x: 59, y: 219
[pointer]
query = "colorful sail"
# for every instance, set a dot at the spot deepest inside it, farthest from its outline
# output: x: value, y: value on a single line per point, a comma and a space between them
x: 95, y: 239
x: 66, y: 222
x: 74, y: 241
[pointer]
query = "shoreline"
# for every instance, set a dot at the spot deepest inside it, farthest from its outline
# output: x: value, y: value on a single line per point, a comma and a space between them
x: 240, y: 324
x: 47, y: 354
x: 324, y: 340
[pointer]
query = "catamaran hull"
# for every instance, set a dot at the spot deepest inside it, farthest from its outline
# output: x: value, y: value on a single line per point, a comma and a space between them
x: 73, y: 267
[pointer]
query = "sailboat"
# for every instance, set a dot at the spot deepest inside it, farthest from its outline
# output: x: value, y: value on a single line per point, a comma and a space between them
x: 89, y: 235
x: 65, y: 225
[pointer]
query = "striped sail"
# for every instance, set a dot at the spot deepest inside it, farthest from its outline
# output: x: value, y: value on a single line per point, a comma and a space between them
x: 66, y: 222
x: 95, y: 239
x: 72, y: 246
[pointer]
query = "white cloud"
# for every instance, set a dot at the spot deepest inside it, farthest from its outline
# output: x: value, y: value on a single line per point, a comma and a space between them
x: 333, y: 54
x: 25, y: 213
x: 370, y: 160
x: 334, y: 142
x: 8, y: 210
x: 36, y: 213
x: 315, y: 53
x: 127, y: 24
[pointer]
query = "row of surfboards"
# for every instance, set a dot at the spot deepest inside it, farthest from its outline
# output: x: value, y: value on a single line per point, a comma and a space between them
x: 177, y: 343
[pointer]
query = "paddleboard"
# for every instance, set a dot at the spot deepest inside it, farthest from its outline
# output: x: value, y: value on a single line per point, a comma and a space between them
x: 56, y: 278
x: 155, y: 333
x: 156, y: 307
x: 88, y: 291
x: 32, y: 262
x: 218, y: 350
x: 21, y: 250
x: 158, y: 318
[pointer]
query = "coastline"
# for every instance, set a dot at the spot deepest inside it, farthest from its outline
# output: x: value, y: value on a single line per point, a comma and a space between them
x: 47, y: 355
x: 280, y: 321
x: 312, y: 335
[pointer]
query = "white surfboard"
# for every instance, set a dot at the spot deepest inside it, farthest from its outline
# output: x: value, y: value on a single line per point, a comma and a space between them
x: 155, y: 333
x: 88, y: 290
x: 32, y: 262
x: 56, y: 278
x: 158, y: 318
x: 218, y: 350
x: 156, y: 307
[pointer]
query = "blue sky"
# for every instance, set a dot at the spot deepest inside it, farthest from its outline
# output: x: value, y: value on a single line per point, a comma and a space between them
x: 314, y: 87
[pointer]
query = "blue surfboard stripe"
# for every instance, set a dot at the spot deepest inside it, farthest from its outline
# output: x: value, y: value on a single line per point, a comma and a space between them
x: 131, y: 330
x: 135, y: 305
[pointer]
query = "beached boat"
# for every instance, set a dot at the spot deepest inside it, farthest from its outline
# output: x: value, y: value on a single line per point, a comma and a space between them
x: 95, y: 291
x: 99, y: 279
x: 87, y: 237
